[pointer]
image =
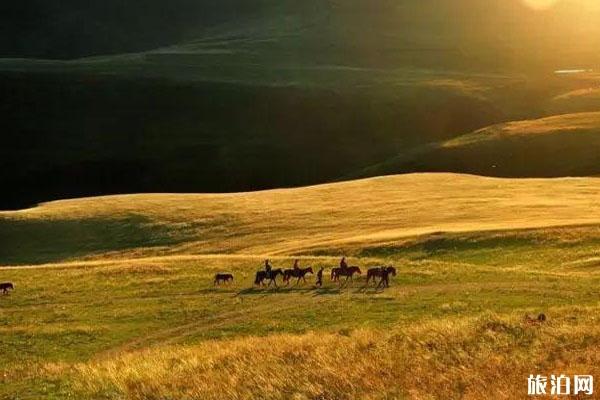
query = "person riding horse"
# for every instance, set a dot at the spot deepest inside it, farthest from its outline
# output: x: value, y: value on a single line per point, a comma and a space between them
x: 268, y: 267
x: 343, y: 264
x: 296, y: 266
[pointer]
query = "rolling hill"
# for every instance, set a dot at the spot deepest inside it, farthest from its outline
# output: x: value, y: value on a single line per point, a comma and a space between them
x: 235, y: 96
x: 291, y: 221
x: 563, y: 145
x: 360, y: 32
x: 114, y: 296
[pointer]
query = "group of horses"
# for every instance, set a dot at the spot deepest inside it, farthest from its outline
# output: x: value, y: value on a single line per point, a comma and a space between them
x: 268, y: 278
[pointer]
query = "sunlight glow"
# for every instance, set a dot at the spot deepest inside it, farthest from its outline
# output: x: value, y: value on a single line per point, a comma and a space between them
x: 540, y: 4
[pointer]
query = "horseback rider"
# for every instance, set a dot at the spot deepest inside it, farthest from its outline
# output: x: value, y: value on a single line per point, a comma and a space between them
x: 268, y: 267
x: 343, y: 264
x: 296, y: 266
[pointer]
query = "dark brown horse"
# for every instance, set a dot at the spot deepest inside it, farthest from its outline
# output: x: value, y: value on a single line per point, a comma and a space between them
x: 6, y: 286
x: 378, y: 272
x: 270, y: 275
x: 296, y: 273
x: 347, y: 272
x: 385, y: 277
x: 223, y: 278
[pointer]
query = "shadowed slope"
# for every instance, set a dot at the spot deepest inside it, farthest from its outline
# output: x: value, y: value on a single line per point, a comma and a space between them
x: 563, y: 145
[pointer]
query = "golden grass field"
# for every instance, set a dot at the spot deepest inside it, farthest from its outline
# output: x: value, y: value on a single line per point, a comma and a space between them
x: 114, y: 296
x: 304, y: 220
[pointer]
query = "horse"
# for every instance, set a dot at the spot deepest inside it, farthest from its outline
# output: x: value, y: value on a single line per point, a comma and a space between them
x: 377, y: 272
x: 385, y: 277
x: 347, y: 272
x: 6, y: 286
x: 223, y: 278
x: 296, y: 273
x: 271, y: 276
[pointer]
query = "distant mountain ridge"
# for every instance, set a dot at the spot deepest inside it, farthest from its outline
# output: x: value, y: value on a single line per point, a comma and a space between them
x: 505, y: 29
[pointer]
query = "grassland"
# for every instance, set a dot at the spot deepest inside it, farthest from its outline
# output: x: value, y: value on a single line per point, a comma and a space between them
x: 268, y: 126
x: 203, y: 97
x: 559, y: 145
x: 114, y: 296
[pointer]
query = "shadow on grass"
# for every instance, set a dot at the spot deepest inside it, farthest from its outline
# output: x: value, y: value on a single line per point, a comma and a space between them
x: 330, y: 289
x: 42, y: 241
x: 287, y: 290
x: 325, y: 291
x: 255, y: 290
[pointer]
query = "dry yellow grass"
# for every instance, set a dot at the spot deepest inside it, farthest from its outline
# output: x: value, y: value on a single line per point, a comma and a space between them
x: 487, y: 357
x: 328, y: 216
x: 574, y: 123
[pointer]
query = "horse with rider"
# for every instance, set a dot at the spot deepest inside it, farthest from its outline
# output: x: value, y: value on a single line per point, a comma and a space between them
x: 269, y: 274
x: 296, y: 272
x: 344, y: 270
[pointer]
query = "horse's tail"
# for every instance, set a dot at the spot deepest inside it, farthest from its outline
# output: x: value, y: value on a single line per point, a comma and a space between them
x: 257, y: 279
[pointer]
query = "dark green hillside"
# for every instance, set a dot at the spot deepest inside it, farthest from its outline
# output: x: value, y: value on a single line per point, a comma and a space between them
x: 75, y: 135
x: 240, y: 95
x: 72, y: 28
x: 498, y: 33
